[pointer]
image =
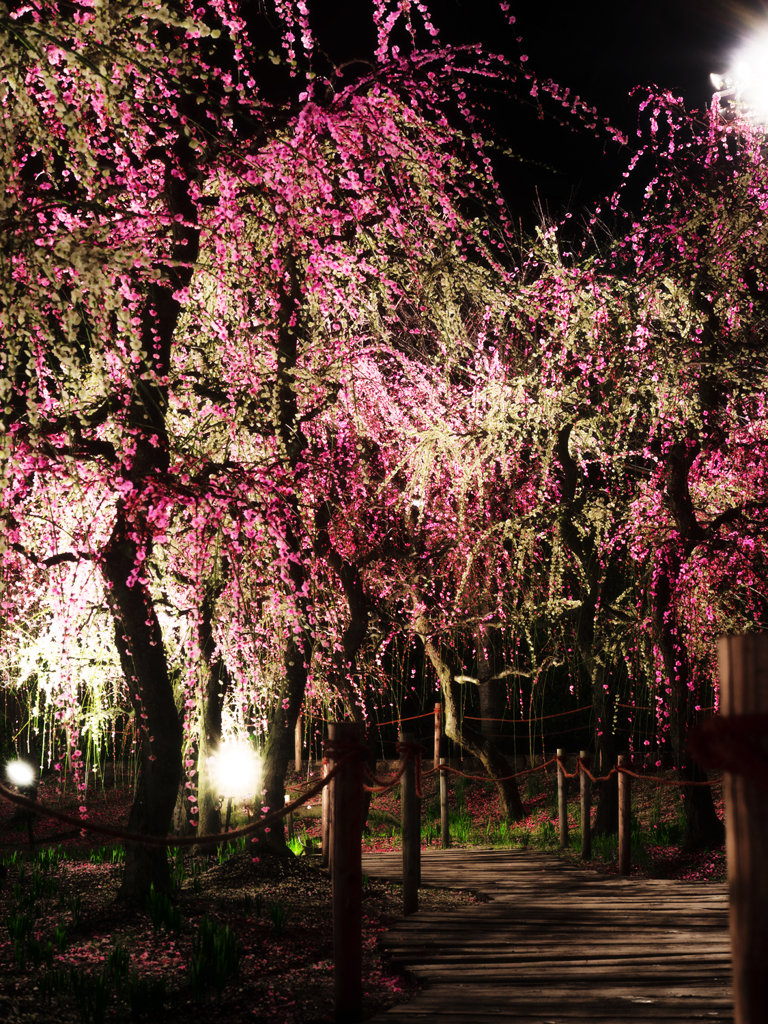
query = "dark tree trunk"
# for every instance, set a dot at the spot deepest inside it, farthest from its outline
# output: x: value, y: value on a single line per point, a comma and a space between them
x: 214, y: 691
x: 138, y: 636
x: 471, y: 740
x: 298, y: 650
x: 139, y: 643
x: 344, y: 674
x: 702, y: 827
x: 279, y: 748
x: 209, y: 798
x: 594, y: 574
x: 607, y: 812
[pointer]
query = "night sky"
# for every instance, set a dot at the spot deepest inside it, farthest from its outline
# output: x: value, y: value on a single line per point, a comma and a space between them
x: 600, y: 49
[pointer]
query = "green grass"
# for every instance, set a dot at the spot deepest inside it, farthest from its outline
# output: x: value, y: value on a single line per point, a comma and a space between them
x: 474, y: 819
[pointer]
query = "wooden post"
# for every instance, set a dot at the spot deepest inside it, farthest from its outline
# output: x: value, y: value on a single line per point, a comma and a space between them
x: 438, y: 733
x: 585, y: 785
x: 347, y: 880
x: 444, y: 823
x: 289, y: 820
x: 625, y: 815
x: 743, y: 667
x: 562, y: 802
x: 326, y: 829
x: 411, y: 828
x: 298, y: 744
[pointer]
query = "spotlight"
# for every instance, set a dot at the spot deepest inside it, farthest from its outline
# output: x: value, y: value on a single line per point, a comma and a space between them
x: 21, y: 774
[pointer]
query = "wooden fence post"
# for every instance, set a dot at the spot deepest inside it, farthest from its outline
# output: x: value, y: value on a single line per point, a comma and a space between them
x: 585, y: 786
x: 347, y: 880
x: 289, y: 820
x: 445, y: 828
x: 562, y: 802
x: 326, y: 830
x: 743, y: 668
x: 438, y: 733
x: 298, y: 744
x: 625, y: 815
x: 411, y: 828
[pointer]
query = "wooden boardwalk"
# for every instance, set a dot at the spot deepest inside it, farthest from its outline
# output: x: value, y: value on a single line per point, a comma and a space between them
x: 559, y: 945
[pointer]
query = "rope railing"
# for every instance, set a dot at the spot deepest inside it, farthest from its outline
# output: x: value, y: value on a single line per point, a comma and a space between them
x: 409, y: 751
x: 489, y: 778
x: 507, y: 720
x: 340, y: 753
x: 622, y: 770
x: 214, y: 839
x: 527, y: 721
x: 343, y: 753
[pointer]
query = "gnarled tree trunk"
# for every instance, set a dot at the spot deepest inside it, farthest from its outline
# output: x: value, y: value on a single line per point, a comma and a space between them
x: 472, y: 740
x: 215, y: 687
x: 139, y: 643
x: 144, y: 466
x: 702, y: 826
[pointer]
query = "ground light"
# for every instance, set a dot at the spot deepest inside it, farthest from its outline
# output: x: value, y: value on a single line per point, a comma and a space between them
x: 21, y: 774
x: 236, y: 772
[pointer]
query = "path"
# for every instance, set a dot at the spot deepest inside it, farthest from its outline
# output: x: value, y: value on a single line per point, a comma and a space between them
x: 559, y: 945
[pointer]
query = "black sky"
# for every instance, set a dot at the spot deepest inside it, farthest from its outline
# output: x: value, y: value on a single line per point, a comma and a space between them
x: 600, y: 49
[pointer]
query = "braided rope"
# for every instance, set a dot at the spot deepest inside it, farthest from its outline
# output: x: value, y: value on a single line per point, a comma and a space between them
x: 620, y: 769
x: 138, y: 837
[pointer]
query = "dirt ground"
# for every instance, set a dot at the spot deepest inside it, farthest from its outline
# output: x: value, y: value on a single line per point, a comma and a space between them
x: 278, y: 910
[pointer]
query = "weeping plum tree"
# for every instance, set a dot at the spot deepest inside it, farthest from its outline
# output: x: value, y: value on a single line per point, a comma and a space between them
x: 236, y: 333
x: 704, y: 225
x: 407, y: 527
x: 638, y: 390
x: 190, y: 266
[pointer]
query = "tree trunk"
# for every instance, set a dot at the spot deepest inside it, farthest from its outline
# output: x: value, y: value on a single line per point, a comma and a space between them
x: 345, y: 661
x: 607, y: 812
x: 138, y: 636
x: 471, y: 740
x: 584, y: 549
x: 702, y: 826
x: 279, y: 748
x: 139, y: 643
x: 208, y: 796
x: 215, y: 687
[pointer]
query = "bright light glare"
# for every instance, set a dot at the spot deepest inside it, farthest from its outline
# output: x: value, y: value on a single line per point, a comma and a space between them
x: 20, y: 773
x: 749, y: 76
x: 236, y: 770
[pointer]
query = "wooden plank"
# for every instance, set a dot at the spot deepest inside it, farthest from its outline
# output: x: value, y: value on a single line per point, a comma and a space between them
x: 645, y: 950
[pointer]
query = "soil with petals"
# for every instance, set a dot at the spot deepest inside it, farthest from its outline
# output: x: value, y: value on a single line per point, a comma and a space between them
x: 284, y: 978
